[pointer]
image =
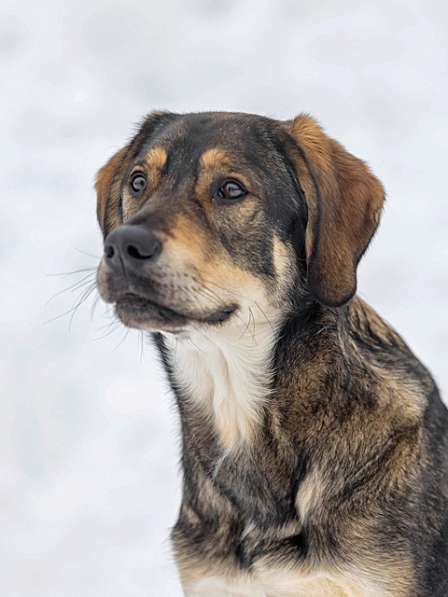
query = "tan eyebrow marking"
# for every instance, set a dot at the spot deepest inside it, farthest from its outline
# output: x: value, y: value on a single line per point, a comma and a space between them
x: 156, y: 158
x: 219, y: 160
x: 214, y: 157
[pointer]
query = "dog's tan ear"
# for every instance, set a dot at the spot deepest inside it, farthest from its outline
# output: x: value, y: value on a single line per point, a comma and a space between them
x: 344, y: 201
x: 106, y: 185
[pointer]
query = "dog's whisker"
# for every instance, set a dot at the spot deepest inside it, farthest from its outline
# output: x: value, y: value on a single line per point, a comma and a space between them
x: 125, y: 335
x: 246, y: 327
x: 107, y: 326
x: 227, y: 290
x: 73, y: 309
x: 113, y: 328
x: 97, y: 257
x: 241, y: 296
x: 82, y: 299
x: 140, y: 341
x: 251, y: 314
x: 81, y: 270
x: 94, y: 306
x: 211, y: 294
x: 72, y: 288
x: 264, y: 315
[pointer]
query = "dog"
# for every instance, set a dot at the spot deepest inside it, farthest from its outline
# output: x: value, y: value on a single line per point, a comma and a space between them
x: 314, y: 442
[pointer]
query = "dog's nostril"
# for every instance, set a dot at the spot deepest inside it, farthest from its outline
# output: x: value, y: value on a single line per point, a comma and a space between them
x: 135, y: 253
x: 109, y: 251
x: 148, y: 250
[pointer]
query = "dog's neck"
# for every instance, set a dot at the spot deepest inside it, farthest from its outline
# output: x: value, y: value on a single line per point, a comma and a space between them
x: 227, y: 373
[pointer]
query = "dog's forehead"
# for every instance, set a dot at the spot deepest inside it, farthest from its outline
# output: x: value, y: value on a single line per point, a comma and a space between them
x: 193, y: 135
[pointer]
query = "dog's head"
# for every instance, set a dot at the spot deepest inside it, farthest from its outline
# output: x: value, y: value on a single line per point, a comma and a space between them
x: 218, y: 217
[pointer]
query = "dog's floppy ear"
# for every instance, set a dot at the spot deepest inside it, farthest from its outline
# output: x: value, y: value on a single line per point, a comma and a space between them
x: 107, y: 179
x: 344, y: 201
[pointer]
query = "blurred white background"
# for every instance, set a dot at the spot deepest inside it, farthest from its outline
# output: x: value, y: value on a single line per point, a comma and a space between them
x: 89, y: 481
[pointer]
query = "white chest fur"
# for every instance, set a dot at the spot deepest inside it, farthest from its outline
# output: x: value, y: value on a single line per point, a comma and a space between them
x: 287, y: 583
x: 228, y: 370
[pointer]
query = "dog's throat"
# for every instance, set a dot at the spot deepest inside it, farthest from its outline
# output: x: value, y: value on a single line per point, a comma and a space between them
x: 228, y: 377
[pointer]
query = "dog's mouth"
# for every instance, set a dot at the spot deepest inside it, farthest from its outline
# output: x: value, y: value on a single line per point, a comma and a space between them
x: 137, y: 311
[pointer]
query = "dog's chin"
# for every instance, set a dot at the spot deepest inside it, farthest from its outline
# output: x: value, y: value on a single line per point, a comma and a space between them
x: 144, y: 314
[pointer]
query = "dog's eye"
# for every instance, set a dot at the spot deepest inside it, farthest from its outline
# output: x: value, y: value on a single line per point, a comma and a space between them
x: 231, y: 190
x: 138, y: 183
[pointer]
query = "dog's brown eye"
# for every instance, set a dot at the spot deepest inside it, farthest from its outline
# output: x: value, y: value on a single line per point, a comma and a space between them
x: 231, y: 190
x: 138, y: 183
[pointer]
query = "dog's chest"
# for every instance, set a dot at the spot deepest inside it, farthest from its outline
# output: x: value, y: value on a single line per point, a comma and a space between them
x: 282, y: 583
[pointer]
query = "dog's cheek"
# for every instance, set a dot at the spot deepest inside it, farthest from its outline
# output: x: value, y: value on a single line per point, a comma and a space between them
x: 245, y: 234
x: 285, y: 265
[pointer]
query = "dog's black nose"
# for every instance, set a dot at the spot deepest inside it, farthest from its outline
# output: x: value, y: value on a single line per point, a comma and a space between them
x: 130, y: 247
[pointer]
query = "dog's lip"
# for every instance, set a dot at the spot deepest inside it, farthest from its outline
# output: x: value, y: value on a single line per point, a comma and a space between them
x: 132, y: 301
x: 129, y: 300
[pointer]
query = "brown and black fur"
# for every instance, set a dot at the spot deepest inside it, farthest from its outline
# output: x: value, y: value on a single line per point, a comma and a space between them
x: 343, y: 474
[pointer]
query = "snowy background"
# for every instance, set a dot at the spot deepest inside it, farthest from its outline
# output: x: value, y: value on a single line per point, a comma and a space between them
x: 89, y: 481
